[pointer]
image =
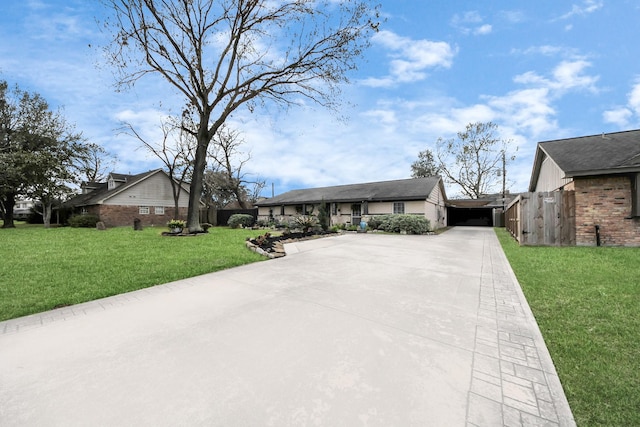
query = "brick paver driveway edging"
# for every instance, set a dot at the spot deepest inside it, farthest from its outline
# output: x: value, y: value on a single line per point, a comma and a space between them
x: 363, y: 329
x: 514, y: 380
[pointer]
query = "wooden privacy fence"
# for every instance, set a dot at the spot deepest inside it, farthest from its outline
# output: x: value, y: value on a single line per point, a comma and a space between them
x: 543, y: 218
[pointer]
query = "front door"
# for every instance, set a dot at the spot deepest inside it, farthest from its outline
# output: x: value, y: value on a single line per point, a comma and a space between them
x: 356, y: 213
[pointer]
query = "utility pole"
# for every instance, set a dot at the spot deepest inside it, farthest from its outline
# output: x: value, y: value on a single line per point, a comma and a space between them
x: 504, y: 184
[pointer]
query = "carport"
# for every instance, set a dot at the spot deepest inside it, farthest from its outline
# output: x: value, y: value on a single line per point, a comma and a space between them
x: 480, y: 216
x: 484, y: 212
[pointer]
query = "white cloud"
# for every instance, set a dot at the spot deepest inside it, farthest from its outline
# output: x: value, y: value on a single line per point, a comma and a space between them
x: 634, y: 97
x: 569, y: 75
x: 623, y: 116
x: 470, y: 17
x: 619, y: 116
x: 482, y: 30
x: 471, y: 22
x: 585, y: 8
x: 513, y: 16
x: 565, y: 76
x: 547, y: 50
x: 410, y: 58
x: 529, y: 110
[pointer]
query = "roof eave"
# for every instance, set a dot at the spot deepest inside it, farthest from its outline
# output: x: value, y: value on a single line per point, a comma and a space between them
x: 350, y: 200
x: 537, y: 164
x: 597, y: 172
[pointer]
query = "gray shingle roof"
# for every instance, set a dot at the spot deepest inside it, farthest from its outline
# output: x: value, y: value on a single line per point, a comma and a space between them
x: 597, y: 154
x: 102, y: 192
x: 404, y: 189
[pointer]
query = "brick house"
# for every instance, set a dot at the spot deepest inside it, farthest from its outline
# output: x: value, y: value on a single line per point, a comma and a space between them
x: 122, y: 198
x: 353, y: 203
x: 603, y: 171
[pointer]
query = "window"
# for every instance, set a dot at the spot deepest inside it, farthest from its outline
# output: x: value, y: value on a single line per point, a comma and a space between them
x: 398, y: 207
x: 143, y: 210
x: 111, y: 184
x: 334, y: 209
x: 282, y: 210
x: 635, y: 195
x: 159, y: 210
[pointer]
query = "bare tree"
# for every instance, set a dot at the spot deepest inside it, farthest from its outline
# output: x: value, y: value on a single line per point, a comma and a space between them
x: 475, y: 160
x: 95, y: 163
x: 223, y: 54
x: 175, y: 151
x: 216, y: 189
x: 229, y: 161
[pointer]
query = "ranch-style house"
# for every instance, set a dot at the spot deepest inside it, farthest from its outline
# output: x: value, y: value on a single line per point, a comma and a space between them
x: 354, y: 203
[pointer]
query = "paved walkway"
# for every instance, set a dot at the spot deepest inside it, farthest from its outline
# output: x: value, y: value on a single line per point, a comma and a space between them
x: 357, y: 330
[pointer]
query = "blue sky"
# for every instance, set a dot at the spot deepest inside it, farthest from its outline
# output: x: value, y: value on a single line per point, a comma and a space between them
x: 540, y: 70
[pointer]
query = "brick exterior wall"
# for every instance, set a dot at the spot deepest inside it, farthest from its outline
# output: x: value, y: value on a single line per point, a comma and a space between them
x: 117, y: 216
x: 605, y: 201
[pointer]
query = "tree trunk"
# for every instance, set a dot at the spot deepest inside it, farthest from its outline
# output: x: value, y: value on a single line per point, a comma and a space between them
x: 176, y: 199
x: 9, y: 203
x: 195, y: 190
x: 47, y: 208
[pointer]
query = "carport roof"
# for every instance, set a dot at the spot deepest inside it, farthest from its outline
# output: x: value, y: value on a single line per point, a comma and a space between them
x: 404, y: 189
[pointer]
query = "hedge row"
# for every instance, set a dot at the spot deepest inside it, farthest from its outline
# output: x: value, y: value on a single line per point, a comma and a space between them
x: 410, y: 224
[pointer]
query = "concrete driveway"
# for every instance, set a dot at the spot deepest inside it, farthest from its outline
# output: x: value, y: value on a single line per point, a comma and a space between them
x: 356, y: 330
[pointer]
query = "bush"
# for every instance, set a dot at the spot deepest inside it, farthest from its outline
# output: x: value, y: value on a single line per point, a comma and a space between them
x: 86, y: 221
x: 264, y: 223
x: 375, y: 222
x: 305, y: 222
x: 240, y: 220
x: 411, y: 224
x: 323, y: 216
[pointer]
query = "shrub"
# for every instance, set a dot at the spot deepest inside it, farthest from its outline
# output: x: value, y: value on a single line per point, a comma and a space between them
x: 323, y: 216
x: 375, y: 222
x: 263, y: 223
x: 240, y: 220
x: 305, y: 222
x: 176, y: 223
x: 411, y: 224
x: 87, y: 221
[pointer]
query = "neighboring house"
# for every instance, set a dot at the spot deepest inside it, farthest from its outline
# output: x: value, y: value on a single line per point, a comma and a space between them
x: 123, y: 198
x: 604, y: 173
x: 351, y: 204
x: 23, y: 209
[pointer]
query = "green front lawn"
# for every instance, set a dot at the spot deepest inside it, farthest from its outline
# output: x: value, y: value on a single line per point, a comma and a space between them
x: 586, y: 301
x: 41, y: 269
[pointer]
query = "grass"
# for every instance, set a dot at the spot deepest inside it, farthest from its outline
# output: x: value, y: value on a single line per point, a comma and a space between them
x: 586, y: 301
x: 41, y: 269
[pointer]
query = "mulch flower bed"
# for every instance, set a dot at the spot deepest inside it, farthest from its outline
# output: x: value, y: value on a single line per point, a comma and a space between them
x: 273, y: 246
